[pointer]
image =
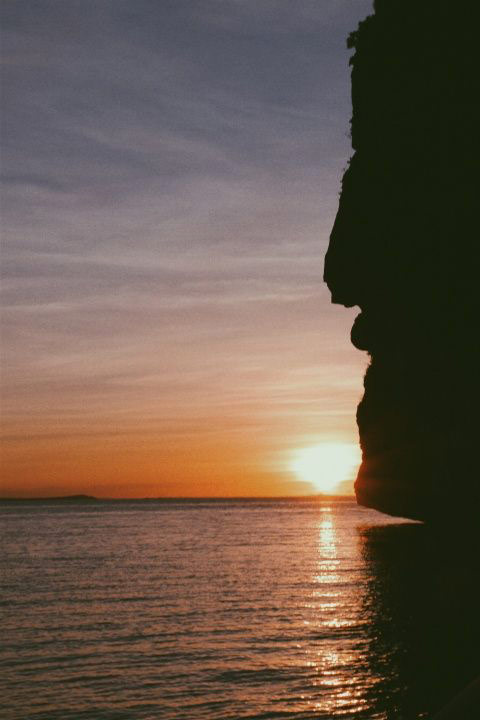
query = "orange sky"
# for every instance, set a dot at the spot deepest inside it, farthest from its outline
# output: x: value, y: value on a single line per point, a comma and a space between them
x: 232, y: 433
x: 168, y: 200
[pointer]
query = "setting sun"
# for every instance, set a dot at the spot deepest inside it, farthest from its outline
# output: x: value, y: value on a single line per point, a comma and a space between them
x: 327, y: 465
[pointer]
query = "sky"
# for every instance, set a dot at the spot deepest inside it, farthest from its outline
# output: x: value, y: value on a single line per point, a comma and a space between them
x: 171, y: 173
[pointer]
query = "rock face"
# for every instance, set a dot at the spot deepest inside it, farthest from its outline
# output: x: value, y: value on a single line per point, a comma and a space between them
x: 404, y: 249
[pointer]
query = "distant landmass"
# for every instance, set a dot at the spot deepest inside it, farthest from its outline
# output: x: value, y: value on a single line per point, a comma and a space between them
x: 404, y: 249
x: 59, y: 499
x: 91, y: 498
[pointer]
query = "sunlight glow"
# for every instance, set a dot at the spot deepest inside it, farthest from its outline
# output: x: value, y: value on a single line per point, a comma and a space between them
x: 327, y: 465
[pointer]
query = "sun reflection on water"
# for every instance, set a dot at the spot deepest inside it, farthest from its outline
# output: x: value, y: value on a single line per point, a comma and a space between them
x: 327, y: 534
x: 327, y: 549
x: 338, y: 686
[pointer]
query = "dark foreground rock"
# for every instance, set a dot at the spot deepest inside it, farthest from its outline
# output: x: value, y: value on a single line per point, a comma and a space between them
x: 404, y: 249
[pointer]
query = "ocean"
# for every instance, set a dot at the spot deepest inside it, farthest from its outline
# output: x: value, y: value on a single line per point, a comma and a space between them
x: 234, y: 609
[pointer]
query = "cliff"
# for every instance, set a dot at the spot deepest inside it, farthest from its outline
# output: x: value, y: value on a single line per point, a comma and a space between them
x: 403, y: 249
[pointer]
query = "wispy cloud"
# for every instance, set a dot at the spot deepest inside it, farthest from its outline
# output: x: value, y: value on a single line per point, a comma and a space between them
x: 171, y: 174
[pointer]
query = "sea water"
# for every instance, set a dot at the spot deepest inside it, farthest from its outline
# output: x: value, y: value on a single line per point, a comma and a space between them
x: 228, y: 609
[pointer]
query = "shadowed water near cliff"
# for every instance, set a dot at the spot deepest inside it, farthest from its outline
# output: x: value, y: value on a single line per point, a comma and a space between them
x: 423, y: 598
x: 403, y: 249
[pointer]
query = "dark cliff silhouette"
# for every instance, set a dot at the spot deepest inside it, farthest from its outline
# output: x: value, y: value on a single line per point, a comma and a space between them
x: 403, y: 249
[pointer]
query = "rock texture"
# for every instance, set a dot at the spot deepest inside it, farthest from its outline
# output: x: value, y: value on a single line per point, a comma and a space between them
x: 404, y: 249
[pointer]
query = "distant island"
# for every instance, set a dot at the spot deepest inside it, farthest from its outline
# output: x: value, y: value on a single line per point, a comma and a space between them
x: 91, y: 498
x: 58, y: 499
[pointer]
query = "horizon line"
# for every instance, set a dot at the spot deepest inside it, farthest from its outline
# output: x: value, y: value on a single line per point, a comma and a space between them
x: 82, y: 496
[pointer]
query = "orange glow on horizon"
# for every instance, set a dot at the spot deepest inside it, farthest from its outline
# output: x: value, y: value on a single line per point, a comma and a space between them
x: 236, y: 440
x: 127, y: 464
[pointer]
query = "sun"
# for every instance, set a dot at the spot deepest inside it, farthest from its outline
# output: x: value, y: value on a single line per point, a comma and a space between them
x: 327, y: 465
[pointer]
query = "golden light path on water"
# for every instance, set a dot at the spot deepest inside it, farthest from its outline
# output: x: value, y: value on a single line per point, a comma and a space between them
x: 337, y: 609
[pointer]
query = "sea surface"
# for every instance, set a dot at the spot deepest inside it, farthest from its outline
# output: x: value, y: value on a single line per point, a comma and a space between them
x: 181, y: 610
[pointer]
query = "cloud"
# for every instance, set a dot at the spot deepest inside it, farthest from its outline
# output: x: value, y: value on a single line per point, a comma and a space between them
x: 171, y: 176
